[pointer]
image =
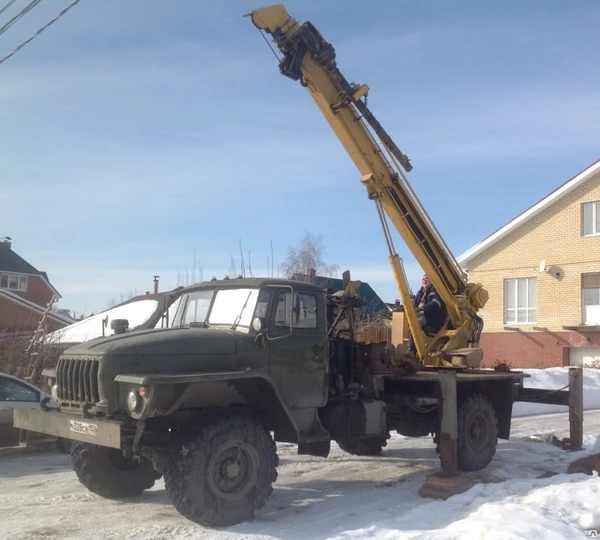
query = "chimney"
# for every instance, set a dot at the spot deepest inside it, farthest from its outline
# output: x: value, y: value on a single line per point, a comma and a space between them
x: 6, y: 242
x: 156, y: 284
x: 311, y: 273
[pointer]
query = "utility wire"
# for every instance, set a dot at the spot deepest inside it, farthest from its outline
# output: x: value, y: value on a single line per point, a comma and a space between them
x: 7, y: 6
x: 40, y: 30
x: 19, y: 15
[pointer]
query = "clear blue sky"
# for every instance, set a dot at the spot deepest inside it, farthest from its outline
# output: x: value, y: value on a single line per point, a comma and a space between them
x: 134, y: 132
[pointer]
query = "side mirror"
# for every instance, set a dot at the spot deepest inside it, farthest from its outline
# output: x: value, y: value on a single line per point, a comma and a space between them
x: 271, y: 338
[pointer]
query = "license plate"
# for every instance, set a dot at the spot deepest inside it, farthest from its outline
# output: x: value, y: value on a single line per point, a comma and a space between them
x: 85, y: 428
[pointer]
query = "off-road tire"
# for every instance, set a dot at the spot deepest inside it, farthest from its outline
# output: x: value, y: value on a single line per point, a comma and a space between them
x: 372, y: 446
x: 106, y: 472
x: 477, y: 433
x: 197, y: 476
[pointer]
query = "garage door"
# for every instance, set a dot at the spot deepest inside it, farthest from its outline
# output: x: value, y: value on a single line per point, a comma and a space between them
x: 585, y: 356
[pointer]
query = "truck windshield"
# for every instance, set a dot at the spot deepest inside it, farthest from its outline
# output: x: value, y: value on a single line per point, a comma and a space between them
x: 196, y: 307
x: 230, y: 307
x: 233, y: 306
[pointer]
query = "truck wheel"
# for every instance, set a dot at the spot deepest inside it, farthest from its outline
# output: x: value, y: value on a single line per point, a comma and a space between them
x: 363, y: 447
x: 477, y: 433
x: 106, y: 472
x: 224, y: 473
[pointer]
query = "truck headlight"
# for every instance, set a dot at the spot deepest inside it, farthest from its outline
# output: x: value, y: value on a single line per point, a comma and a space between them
x: 133, y: 401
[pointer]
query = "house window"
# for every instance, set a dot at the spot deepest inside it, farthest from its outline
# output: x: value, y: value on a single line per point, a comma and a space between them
x: 590, y: 218
x: 13, y: 282
x: 590, y: 286
x: 520, y: 300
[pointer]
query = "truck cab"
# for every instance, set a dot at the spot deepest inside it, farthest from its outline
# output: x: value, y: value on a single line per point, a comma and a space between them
x: 279, y: 328
x: 269, y: 331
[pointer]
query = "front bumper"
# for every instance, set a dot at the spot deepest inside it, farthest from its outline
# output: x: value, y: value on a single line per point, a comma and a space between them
x: 89, y: 430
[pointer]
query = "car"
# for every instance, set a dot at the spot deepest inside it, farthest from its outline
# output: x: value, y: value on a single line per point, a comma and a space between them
x: 16, y: 393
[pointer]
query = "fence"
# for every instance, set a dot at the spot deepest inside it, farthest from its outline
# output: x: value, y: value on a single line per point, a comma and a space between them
x: 374, y: 331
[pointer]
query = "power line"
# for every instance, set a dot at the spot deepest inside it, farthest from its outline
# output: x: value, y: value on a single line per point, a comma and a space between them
x: 19, y: 15
x: 7, y: 6
x: 40, y: 30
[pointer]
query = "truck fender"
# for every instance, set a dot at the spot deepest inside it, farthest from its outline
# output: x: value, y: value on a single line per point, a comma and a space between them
x: 167, y: 394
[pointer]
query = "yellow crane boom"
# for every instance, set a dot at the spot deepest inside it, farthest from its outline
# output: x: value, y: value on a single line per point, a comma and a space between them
x: 307, y: 57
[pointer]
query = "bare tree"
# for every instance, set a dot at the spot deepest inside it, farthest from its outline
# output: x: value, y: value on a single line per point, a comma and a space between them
x: 306, y: 257
x: 123, y: 297
x: 232, y: 267
x: 193, y: 275
x: 244, y: 271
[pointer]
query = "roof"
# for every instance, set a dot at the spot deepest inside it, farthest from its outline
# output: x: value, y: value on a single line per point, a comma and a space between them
x: 15, y: 298
x: 137, y: 314
x: 532, y: 211
x: 142, y: 312
x: 170, y: 297
x: 11, y: 262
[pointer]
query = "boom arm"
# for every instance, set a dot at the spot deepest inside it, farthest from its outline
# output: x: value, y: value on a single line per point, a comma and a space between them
x: 308, y: 58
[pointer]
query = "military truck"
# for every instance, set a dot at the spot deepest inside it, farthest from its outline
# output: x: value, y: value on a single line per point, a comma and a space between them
x: 247, y: 362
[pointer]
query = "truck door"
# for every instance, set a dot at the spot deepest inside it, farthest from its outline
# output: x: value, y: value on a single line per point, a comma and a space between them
x: 297, y: 348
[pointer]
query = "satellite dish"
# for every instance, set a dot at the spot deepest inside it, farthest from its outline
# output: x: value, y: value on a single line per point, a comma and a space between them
x: 542, y: 265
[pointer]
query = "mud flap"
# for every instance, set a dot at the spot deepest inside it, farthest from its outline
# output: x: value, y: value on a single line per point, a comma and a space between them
x: 317, y: 448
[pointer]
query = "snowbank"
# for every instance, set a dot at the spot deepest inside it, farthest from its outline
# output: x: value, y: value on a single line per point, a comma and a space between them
x: 561, y: 507
x: 136, y: 313
x: 557, y: 378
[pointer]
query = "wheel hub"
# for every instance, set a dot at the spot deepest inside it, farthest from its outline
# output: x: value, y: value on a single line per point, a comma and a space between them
x: 232, y: 470
x: 478, y: 432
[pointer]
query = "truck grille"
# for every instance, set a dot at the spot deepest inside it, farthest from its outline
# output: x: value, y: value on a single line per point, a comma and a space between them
x: 77, y: 380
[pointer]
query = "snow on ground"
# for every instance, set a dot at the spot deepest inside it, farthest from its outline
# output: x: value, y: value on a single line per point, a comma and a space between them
x: 342, y: 497
x: 557, y: 378
x: 136, y: 313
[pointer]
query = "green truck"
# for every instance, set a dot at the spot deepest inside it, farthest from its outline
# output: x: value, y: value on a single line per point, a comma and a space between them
x: 245, y: 363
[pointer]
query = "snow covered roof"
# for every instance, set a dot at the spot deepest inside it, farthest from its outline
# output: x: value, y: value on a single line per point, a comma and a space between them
x: 141, y: 312
x: 137, y: 313
x: 532, y: 211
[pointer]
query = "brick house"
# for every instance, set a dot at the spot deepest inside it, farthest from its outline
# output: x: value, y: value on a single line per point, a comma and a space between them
x: 542, y: 272
x: 24, y: 294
